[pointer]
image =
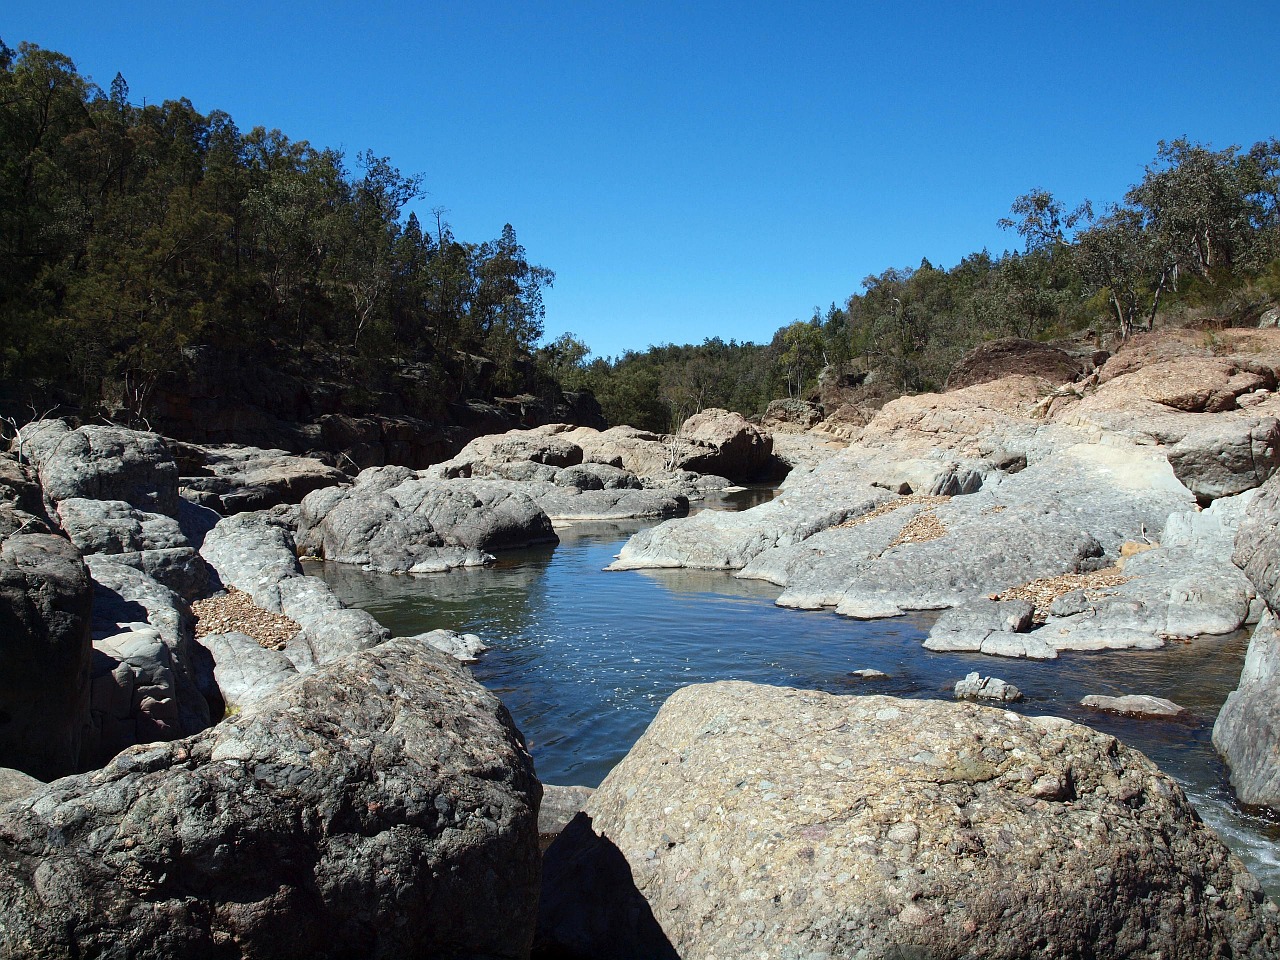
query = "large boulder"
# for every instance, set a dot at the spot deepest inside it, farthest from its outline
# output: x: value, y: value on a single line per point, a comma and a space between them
x: 1257, y: 550
x: 255, y: 553
x: 382, y: 807
x: 1247, y: 731
x: 1009, y: 356
x: 150, y: 542
x: 740, y: 450
x: 45, y: 640
x: 754, y: 820
x: 102, y: 463
x: 410, y: 524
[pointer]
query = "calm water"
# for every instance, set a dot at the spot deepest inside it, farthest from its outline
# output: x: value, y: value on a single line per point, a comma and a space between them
x: 583, y: 659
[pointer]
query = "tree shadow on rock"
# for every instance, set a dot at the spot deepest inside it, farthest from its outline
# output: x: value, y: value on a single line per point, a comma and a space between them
x: 590, y: 906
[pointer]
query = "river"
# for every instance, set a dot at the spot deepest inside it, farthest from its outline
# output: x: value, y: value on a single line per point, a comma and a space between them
x: 583, y: 659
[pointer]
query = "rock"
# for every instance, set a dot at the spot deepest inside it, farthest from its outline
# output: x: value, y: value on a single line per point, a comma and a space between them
x: 14, y: 784
x: 869, y: 674
x: 1270, y: 318
x: 421, y: 525
x: 1247, y: 731
x: 385, y: 806
x: 1257, y: 549
x: 754, y: 820
x: 254, y: 552
x: 45, y: 646
x: 1135, y: 705
x: 487, y: 455
x: 974, y: 687
x: 966, y: 626
x: 150, y: 542
x: 741, y: 450
x: 1227, y: 456
x: 244, y: 670
x: 134, y: 695
x: 233, y: 479
x: 559, y: 806
x: 791, y: 415
x: 103, y: 463
x: 126, y: 603
x: 1001, y: 358
x: 463, y: 647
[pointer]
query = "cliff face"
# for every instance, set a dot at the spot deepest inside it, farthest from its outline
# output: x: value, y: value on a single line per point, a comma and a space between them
x: 392, y: 412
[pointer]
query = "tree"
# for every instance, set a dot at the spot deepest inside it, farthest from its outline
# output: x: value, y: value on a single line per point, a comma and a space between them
x: 1119, y: 257
x: 1041, y: 220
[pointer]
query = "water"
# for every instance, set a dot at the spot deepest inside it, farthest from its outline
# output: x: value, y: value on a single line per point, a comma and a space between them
x: 583, y: 659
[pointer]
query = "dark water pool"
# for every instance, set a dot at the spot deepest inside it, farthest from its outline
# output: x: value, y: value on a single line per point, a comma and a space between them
x: 583, y: 659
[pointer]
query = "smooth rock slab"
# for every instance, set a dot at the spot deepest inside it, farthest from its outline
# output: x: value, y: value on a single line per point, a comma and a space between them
x: 383, y: 807
x: 757, y: 821
x: 1134, y: 705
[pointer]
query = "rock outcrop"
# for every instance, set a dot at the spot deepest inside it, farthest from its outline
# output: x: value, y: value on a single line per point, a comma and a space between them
x: 752, y: 819
x: 102, y: 463
x: 232, y: 479
x: 384, y: 806
x: 1013, y: 355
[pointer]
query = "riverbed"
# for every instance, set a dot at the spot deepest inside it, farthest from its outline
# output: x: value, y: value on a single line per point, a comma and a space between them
x: 583, y: 659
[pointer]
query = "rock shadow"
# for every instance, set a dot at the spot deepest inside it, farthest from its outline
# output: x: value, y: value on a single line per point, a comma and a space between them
x: 590, y: 907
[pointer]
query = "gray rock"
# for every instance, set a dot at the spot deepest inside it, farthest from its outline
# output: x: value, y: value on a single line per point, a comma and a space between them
x: 1135, y: 705
x: 329, y: 630
x: 559, y: 806
x: 253, y: 552
x: 233, y: 479
x: 103, y: 463
x: 1247, y: 731
x: 1173, y: 593
x: 1257, y: 550
x: 753, y: 820
x: 983, y: 621
x: 383, y: 807
x: 134, y: 695
x: 45, y: 645
x: 974, y: 687
x: 421, y: 525
x: 463, y: 647
x: 151, y: 542
x: 14, y: 784
x: 869, y: 674
x: 246, y: 671
x: 126, y: 601
x: 1227, y: 456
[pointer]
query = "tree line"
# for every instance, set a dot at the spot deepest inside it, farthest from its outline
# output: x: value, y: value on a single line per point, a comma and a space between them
x: 128, y: 233
x: 1198, y: 237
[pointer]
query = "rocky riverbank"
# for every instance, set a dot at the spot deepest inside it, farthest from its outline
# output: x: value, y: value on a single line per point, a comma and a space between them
x: 250, y: 769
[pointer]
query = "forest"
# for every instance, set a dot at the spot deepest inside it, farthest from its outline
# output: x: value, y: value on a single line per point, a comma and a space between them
x: 130, y: 234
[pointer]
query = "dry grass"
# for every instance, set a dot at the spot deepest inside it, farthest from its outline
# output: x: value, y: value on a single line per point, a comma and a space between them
x: 1041, y: 593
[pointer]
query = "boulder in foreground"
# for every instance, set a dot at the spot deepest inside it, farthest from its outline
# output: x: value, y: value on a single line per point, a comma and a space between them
x: 753, y: 820
x: 383, y: 806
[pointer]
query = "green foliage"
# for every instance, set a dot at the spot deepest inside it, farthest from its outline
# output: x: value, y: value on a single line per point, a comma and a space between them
x: 130, y: 233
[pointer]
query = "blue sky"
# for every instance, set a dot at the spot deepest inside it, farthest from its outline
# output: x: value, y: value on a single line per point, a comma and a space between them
x: 708, y: 169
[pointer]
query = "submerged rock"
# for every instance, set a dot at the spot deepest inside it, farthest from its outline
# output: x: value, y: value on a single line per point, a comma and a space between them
x: 383, y: 807
x: 1135, y: 705
x: 975, y: 687
x: 754, y: 820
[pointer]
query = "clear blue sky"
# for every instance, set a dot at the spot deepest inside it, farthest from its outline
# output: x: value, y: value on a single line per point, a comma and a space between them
x: 708, y: 169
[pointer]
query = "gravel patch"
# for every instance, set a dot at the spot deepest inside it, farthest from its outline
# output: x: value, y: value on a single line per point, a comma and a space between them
x: 1041, y: 593
x: 235, y: 611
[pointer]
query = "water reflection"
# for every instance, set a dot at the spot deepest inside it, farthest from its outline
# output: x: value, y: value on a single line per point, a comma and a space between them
x: 583, y: 659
